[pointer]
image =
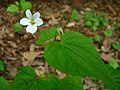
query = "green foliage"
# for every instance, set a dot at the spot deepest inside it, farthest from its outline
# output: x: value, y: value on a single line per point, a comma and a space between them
x: 88, y: 15
x: 97, y: 38
x: 113, y: 63
x: 2, y: 66
x: 4, y: 84
x: 15, y: 7
x: 25, y: 80
x: 108, y: 33
x: 115, y: 26
x: 47, y: 35
x: 115, y: 74
x: 75, y: 15
x: 12, y: 8
x: 116, y: 45
x: 72, y: 83
x: 104, y: 21
x: 89, y: 23
x: 73, y: 54
x: 94, y: 27
x: 94, y: 21
x: 97, y: 19
x: 91, y: 39
x: 17, y: 27
x: 25, y: 5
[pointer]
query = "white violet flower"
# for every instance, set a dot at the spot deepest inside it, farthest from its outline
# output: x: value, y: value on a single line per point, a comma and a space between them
x: 32, y: 21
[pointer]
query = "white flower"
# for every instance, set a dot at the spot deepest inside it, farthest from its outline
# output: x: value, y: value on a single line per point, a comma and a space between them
x: 32, y: 21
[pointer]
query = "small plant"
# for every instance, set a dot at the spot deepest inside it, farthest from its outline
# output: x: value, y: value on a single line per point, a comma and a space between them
x: 94, y: 21
x: 13, y: 8
x: 23, y: 4
x: 75, y: 15
x: 97, y: 38
x: 108, y: 33
x: 115, y: 26
x: 104, y: 22
x: 88, y: 15
x: 116, y: 45
x: 17, y: 27
x: 113, y: 63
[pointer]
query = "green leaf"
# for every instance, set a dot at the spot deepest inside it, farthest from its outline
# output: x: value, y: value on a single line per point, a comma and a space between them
x: 96, y: 18
x: 4, y: 84
x: 113, y: 63
x: 91, y: 39
x: 53, y: 83
x: 24, y: 78
x: 104, y: 22
x: 76, y: 55
x: 12, y: 8
x: 26, y: 5
x: 97, y: 38
x: 108, y: 33
x: 2, y: 66
x: 49, y: 83
x: 26, y: 71
x: 88, y: 15
x: 116, y: 45
x: 17, y: 27
x: 75, y: 15
x: 96, y: 24
x: 115, y: 73
x: 94, y: 27
x: 88, y: 23
x: 72, y: 83
x: 46, y: 35
x: 115, y: 26
x: 22, y: 1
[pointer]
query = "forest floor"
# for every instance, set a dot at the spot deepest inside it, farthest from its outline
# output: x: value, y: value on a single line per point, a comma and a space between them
x: 18, y: 49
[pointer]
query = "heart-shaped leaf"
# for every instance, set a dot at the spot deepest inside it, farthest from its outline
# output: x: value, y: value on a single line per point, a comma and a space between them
x: 76, y: 55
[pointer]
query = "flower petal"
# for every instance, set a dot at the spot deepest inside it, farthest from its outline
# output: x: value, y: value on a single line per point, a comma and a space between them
x: 29, y: 14
x: 24, y: 21
x: 36, y: 15
x: 31, y: 29
x: 38, y: 21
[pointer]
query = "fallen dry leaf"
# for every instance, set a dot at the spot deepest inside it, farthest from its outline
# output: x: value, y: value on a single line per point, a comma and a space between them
x: 71, y: 24
x: 29, y: 56
x: 40, y: 70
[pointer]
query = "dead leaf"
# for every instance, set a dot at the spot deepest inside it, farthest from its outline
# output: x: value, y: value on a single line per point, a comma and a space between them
x: 40, y: 70
x: 106, y: 57
x: 29, y: 56
x: 60, y: 74
x: 71, y: 24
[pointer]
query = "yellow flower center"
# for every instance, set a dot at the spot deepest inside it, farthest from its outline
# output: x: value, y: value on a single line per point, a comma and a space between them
x: 32, y: 21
